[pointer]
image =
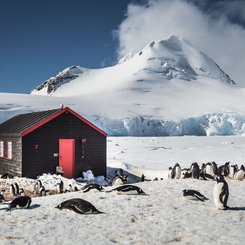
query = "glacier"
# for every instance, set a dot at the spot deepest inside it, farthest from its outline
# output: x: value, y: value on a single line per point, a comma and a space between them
x: 216, y: 124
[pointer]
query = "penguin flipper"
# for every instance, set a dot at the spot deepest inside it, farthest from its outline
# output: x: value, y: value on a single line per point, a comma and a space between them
x: 76, y: 209
x: 199, y: 198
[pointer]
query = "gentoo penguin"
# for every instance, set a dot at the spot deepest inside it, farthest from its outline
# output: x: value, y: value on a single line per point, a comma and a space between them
x: 60, y: 187
x: 232, y: 171
x: 78, y: 205
x: 185, y: 173
x: 221, y: 193
x: 209, y: 169
x: 129, y: 189
x: 120, y: 180
x: 170, y: 172
x: 215, y: 168
x: 119, y: 172
x: 89, y: 187
x: 20, y: 202
x: 194, y: 195
x: 240, y: 174
x: 224, y: 169
x: 7, y: 176
x: 195, y: 171
x: 2, y: 199
x: 37, y: 186
x: 42, y: 191
x: 69, y: 189
x: 14, y: 189
x: 176, y: 173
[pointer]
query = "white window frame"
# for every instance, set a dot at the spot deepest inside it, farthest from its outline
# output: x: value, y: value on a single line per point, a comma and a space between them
x: 1, y: 149
x: 10, y: 150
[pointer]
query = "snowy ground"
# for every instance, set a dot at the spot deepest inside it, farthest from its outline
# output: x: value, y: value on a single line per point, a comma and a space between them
x: 163, y: 217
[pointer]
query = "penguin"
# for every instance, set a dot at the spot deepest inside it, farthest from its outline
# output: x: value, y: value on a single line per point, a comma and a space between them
x: 7, y: 176
x: 224, y: 169
x: 69, y: 189
x: 37, y: 186
x: 232, y: 171
x: 20, y: 202
x: 14, y: 189
x: 221, y: 193
x: 79, y: 206
x: 240, y: 174
x: 176, y: 172
x: 60, y: 187
x: 42, y: 191
x: 120, y: 180
x: 89, y: 187
x: 129, y: 189
x: 215, y: 168
x: 195, y: 171
x: 170, y: 172
x: 209, y: 169
x: 194, y: 195
x: 2, y: 199
x: 22, y: 192
x: 185, y: 174
x: 119, y: 172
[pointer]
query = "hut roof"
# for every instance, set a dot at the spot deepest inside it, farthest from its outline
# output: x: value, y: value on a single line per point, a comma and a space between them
x: 23, y: 124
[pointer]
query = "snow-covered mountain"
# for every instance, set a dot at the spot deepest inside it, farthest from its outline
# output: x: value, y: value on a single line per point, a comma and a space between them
x: 160, y: 61
x: 167, y: 88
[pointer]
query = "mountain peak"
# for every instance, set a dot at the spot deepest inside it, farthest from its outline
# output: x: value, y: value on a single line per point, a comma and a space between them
x: 160, y: 61
x: 63, y: 77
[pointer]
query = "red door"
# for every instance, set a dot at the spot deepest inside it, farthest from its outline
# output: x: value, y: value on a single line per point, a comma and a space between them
x: 67, y: 157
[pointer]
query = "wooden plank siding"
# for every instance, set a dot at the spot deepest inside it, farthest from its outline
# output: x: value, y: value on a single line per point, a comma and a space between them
x: 39, y: 146
x: 12, y: 166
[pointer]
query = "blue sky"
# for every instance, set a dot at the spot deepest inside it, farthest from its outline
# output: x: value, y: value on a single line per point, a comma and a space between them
x: 40, y: 38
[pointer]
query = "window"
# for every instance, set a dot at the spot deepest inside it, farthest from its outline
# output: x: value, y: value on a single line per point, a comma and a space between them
x: 9, y: 150
x: 1, y: 149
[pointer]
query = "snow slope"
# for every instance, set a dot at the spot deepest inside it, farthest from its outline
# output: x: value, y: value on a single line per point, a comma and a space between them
x: 168, y: 88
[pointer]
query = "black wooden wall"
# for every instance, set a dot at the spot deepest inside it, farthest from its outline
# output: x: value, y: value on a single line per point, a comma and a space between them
x: 12, y: 166
x: 39, y: 147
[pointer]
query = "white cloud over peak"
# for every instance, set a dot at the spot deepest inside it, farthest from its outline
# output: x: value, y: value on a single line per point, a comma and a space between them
x: 211, y: 32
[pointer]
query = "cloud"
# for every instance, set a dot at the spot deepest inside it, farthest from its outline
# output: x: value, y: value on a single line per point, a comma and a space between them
x: 217, y: 31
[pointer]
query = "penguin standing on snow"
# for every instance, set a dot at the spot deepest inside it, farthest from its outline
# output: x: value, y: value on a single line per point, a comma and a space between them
x: 194, y: 195
x: 2, y: 199
x: 221, y: 193
x: 195, y: 171
x: 14, y: 189
x: 240, y: 174
x: 176, y: 172
x: 79, y: 205
x: 20, y: 202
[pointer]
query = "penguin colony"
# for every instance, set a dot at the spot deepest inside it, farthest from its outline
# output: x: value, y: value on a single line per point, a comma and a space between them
x: 208, y: 171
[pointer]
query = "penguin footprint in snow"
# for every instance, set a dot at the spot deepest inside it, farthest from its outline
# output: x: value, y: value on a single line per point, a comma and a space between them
x: 79, y: 205
x: 194, y: 195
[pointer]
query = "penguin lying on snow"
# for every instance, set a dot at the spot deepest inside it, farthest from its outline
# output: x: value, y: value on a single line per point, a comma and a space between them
x: 20, y: 202
x: 129, y: 189
x: 194, y: 195
x: 89, y: 187
x: 79, y: 206
x: 221, y: 193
